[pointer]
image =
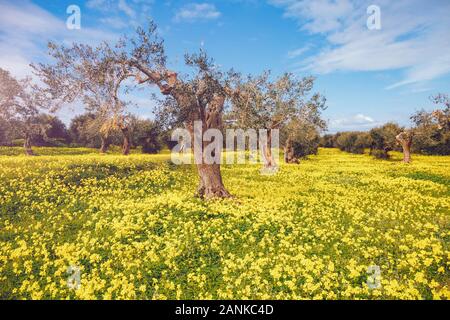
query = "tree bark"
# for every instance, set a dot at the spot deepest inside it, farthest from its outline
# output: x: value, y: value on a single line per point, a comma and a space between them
x: 405, y: 140
x: 190, y: 127
x: 210, y: 177
x: 126, y: 141
x: 289, y: 156
x: 27, y: 145
x: 269, y: 162
x: 104, y: 146
x: 210, y: 182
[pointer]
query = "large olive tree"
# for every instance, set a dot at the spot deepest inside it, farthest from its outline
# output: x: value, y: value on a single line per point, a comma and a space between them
x: 100, y: 73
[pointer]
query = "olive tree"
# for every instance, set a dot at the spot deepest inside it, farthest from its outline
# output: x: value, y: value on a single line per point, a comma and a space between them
x: 383, y: 140
x: 93, y: 76
x: 432, y: 129
x: 353, y: 141
x: 258, y: 102
x: 85, y: 131
x: 99, y: 74
x: 21, y: 102
x: 405, y: 139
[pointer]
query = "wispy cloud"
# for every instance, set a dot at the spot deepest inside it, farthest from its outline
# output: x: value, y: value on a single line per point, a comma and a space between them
x: 114, y: 22
x: 318, y: 16
x: 115, y: 12
x: 25, y: 29
x: 96, y: 4
x: 354, y: 122
x: 298, y: 52
x: 197, y: 11
x: 413, y: 36
x: 124, y: 7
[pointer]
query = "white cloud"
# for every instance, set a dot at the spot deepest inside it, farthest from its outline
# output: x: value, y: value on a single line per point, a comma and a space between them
x: 197, y: 11
x: 414, y: 36
x: 23, y: 16
x: 25, y: 29
x: 355, y: 122
x: 321, y: 15
x: 114, y: 22
x: 95, y: 4
x: 298, y: 52
x: 123, y: 6
x: 114, y: 11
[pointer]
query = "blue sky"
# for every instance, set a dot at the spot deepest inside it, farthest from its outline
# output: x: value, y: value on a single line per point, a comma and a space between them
x: 368, y: 76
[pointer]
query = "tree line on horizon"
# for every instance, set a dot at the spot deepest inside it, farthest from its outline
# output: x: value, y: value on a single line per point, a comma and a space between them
x: 84, y: 131
x: 429, y: 134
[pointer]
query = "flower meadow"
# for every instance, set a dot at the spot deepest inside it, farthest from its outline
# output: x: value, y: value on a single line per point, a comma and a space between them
x: 133, y: 228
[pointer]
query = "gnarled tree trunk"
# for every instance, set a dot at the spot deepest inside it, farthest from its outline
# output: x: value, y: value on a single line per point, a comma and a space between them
x: 104, y: 145
x: 205, y: 104
x: 269, y: 162
x: 289, y: 156
x: 126, y: 141
x: 210, y: 182
x: 405, y: 139
x: 27, y: 145
x: 210, y: 177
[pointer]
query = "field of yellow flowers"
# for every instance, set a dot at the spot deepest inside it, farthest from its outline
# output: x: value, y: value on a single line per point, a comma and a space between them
x: 134, y: 230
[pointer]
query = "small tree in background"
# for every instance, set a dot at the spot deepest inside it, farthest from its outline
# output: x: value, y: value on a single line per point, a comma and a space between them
x: 21, y: 103
x: 405, y: 139
x: 80, y: 131
x: 281, y: 104
x: 301, y: 140
x: 303, y: 130
x: 432, y: 129
x: 353, y: 141
x: 109, y: 123
x: 90, y: 130
x: 93, y: 76
x: 147, y: 134
x: 384, y: 140
x: 327, y: 141
x: 55, y: 133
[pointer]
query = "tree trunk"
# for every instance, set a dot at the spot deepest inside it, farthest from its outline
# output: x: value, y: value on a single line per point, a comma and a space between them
x: 269, y: 162
x: 406, y: 152
x: 210, y: 177
x: 27, y: 145
x: 210, y: 182
x: 190, y: 127
x: 104, y: 146
x: 289, y: 156
x: 405, y: 139
x: 210, y: 115
x: 126, y: 141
